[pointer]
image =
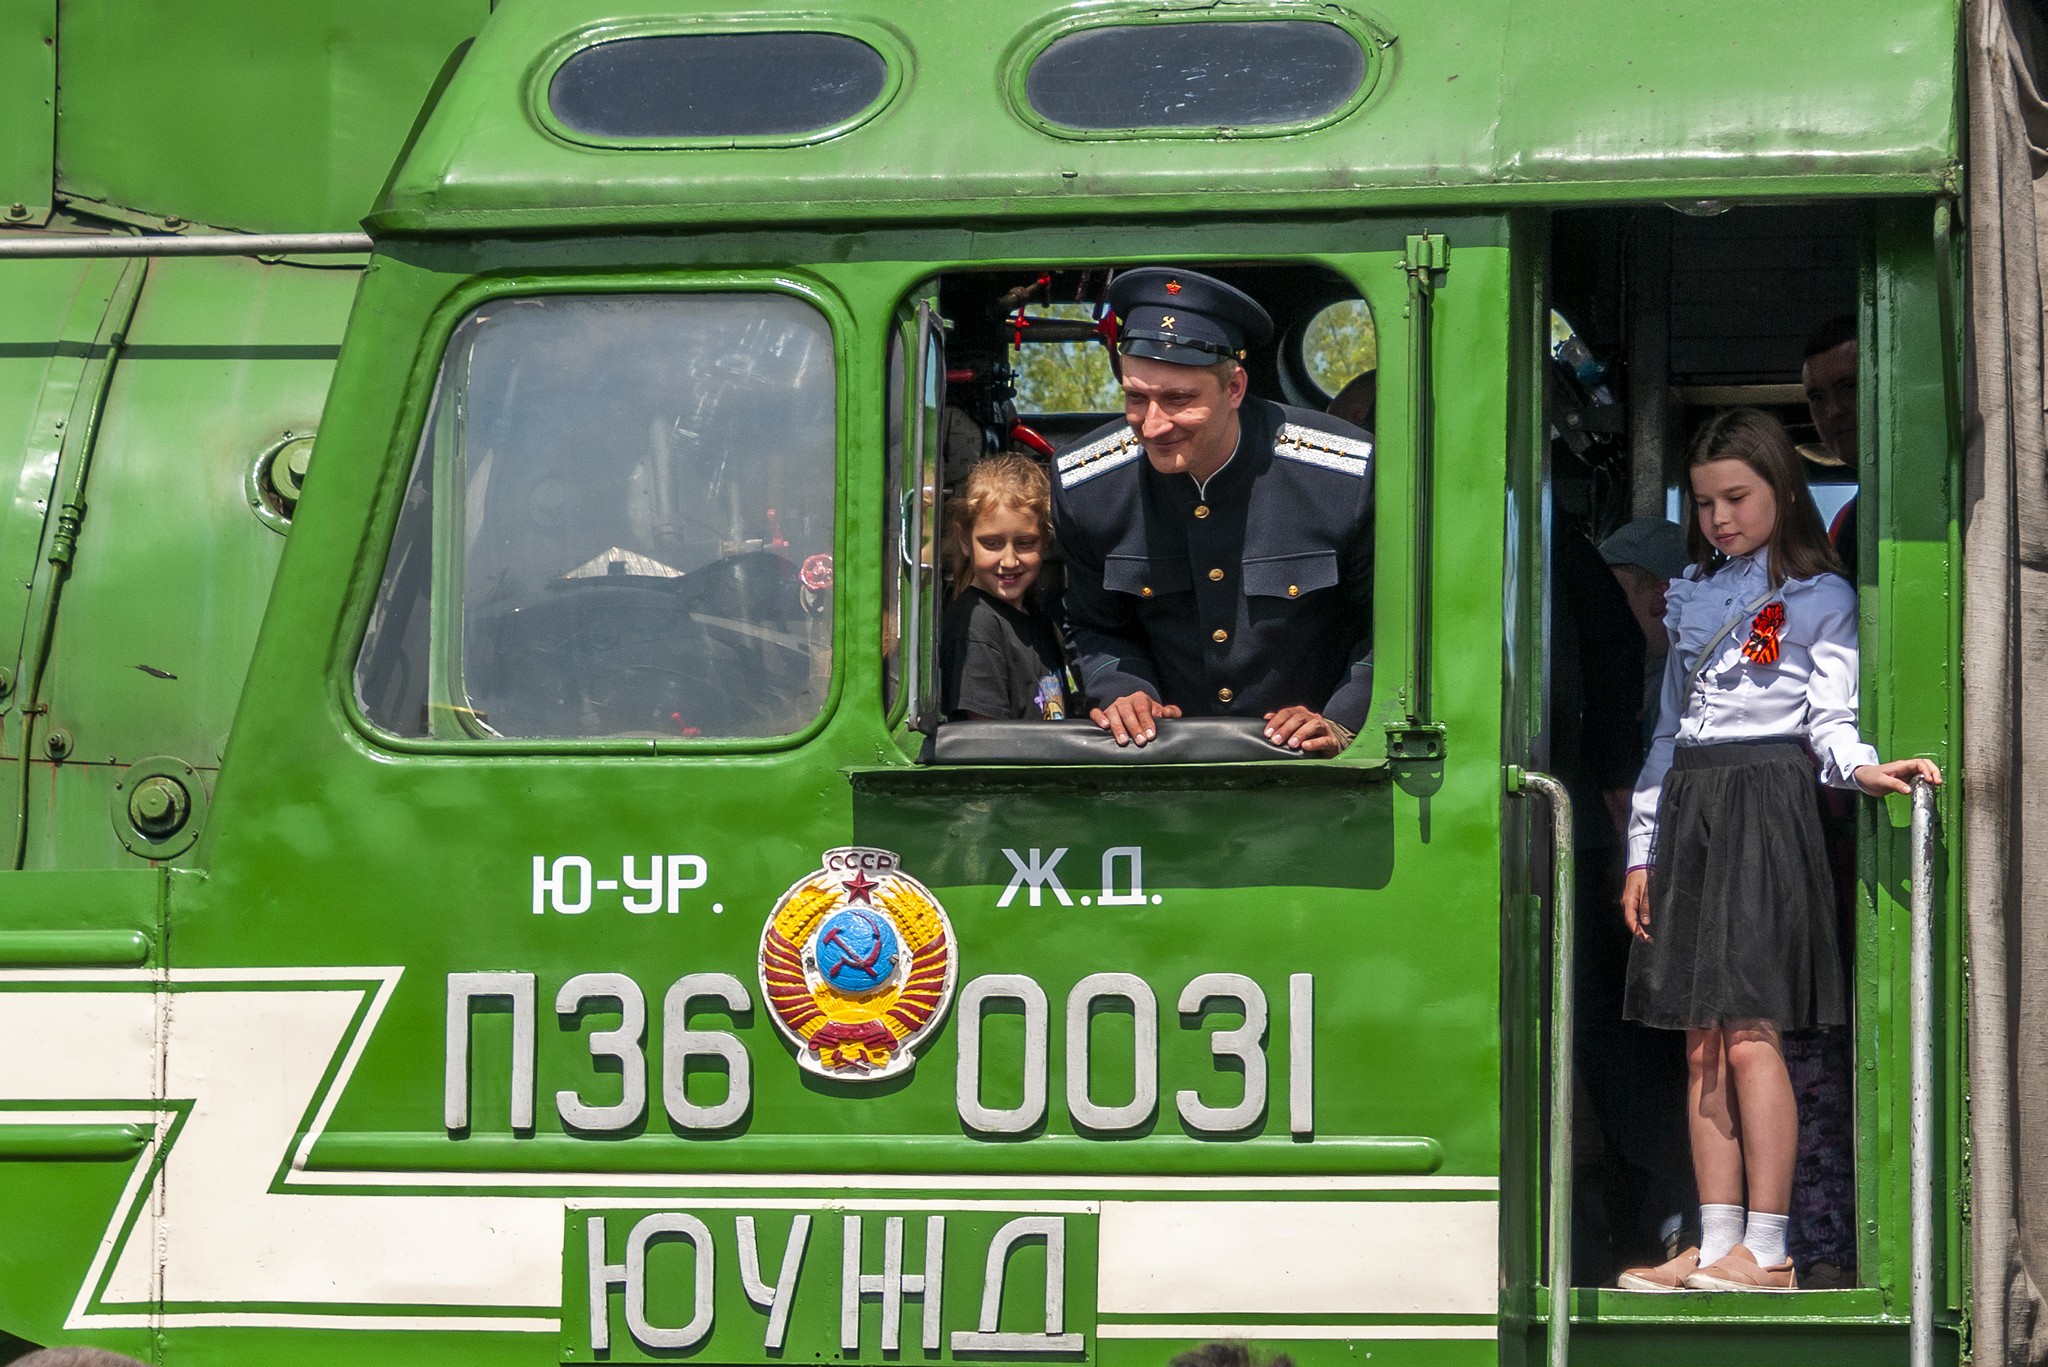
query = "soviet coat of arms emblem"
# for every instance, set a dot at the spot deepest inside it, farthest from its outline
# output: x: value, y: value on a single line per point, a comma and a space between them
x: 857, y: 966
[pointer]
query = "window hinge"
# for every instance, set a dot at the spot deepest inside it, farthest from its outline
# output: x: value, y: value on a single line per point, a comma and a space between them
x: 1415, y: 740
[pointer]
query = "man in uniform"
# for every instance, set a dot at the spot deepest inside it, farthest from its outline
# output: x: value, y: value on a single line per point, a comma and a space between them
x: 1218, y: 547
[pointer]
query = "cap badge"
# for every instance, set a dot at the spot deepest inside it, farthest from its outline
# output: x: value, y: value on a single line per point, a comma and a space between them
x: 1173, y: 287
x: 1167, y: 322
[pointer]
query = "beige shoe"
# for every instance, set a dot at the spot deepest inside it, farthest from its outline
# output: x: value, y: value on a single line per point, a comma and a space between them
x: 1739, y: 1272
x: 1663, y: 1277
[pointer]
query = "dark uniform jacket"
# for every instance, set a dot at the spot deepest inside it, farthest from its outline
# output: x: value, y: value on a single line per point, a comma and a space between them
x: 1249, y: 596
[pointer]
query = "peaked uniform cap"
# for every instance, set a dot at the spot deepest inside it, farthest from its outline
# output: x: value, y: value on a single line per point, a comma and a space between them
x: 1183, y: 317
x: 1651, y: 542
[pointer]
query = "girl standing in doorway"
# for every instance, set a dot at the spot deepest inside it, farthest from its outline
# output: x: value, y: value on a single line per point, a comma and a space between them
x: 1729, y: 894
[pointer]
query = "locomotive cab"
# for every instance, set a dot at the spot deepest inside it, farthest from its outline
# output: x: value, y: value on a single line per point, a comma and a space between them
x: 597, y: 945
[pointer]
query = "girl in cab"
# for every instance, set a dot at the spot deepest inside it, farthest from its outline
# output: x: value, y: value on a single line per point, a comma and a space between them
x: 1000, y: 656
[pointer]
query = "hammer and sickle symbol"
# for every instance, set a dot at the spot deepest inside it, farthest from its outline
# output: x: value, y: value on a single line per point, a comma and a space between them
x: 850, y: 959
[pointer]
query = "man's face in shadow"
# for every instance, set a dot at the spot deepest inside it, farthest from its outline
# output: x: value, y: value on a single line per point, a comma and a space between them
x: 1830, y: 380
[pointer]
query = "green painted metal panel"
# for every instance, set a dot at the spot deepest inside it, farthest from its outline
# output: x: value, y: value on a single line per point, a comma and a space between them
x: 166, y: 593
x: 28, y: 110
x: 1506, y: 101
x: 245, y: 114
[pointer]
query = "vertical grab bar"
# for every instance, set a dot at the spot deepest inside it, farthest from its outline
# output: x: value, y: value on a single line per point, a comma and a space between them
x: 1558, y: 1326
x: 1921, y: 1132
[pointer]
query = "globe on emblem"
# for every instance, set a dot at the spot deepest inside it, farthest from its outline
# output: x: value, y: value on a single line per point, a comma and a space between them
x: 857, y: 950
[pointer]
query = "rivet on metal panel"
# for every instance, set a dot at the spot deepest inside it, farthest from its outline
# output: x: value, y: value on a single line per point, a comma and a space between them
x: 57, y: 745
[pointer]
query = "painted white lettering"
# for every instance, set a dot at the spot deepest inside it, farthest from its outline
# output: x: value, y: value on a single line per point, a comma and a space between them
x: 975, y: 1113
x: 463, y: 990
x: 665, y: 1226
x: 988, y: 1338
x: 1245, y: 1044
x: 1301, y: 1054
x: 603, y: 1277
x: 621, y: 1043
x: 685, y: 871
x: 680, y: 1044
x: 1133, y: 856
x: 892, y: 1284
x: 556, y: 885
x: 1081, y: 1104
x: 776, y: 1299
x: 651, y: 885
x: 1036, y: 875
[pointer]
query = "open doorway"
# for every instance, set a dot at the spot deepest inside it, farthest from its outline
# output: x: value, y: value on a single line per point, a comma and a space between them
x: 1659, y: 320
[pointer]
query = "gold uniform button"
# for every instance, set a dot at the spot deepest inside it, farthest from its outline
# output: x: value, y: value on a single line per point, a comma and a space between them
x: 1145, y: 592
x: 1219, y: 635
x: 1201, y: 510
x: 1215, y: 574
x: 1224, y: 695
x: 1293, y: 590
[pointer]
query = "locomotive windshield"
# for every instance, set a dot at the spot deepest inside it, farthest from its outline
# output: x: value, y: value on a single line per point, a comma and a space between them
x: 633, y: 499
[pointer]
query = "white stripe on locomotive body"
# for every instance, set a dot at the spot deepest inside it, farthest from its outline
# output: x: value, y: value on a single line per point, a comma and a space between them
x: 247, y: 1051
x: 1298, y: 1258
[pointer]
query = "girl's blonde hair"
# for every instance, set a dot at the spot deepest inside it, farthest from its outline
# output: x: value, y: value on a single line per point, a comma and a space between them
x: 1008, y: 480
x: 1798, y: 548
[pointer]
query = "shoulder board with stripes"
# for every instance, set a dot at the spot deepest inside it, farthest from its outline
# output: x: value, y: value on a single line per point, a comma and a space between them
x: 1098, y: 457
x: 1313, y: 446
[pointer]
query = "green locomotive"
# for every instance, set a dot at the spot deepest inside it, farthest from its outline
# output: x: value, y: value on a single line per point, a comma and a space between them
x: 411, y: 949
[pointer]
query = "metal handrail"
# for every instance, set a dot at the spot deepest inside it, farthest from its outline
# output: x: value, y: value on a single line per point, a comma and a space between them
x: 1563, y: 1028
x: 76, y: 245
x: 1920, y: 1140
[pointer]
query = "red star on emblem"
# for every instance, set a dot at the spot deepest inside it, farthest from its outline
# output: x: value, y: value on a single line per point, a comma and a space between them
x: 1173, y: 287
x: 859, y: 886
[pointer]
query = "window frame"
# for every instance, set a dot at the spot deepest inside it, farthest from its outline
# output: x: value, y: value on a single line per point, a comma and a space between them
x: 1372, y: 40
x: 406, y: 450
x: 1363, y: 268
x: 894, y: 50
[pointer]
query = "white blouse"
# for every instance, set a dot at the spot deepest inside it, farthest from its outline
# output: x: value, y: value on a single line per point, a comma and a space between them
x: 1810, y: 690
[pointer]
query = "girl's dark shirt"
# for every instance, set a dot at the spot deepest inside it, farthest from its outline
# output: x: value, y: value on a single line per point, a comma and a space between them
x: 999, y: 662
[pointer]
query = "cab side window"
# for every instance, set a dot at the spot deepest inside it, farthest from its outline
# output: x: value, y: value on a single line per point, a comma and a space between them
x: 619, y: 524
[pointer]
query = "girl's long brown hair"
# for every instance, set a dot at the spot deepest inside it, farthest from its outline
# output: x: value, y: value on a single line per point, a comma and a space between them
x: 1798, y: 548
x: 1006, y: 480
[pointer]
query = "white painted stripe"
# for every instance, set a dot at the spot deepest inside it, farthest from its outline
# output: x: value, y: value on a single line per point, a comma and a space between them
x: 1076, y: 1183
x: 232, y: 1319
x: 1298, y: 1257
x: 1362, y: 1333
x: 945, y: 1207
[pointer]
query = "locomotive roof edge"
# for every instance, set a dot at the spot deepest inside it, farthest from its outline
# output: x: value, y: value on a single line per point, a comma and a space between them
x: 1459, y: 106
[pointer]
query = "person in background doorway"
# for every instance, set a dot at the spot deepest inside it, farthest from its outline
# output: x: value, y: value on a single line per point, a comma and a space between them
x: 1828, y: 375
x: 1824, y: 1197
x: 1645, y: 556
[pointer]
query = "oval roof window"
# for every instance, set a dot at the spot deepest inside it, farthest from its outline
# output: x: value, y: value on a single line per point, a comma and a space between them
x: 1208, y: 74
x: 677, y: 86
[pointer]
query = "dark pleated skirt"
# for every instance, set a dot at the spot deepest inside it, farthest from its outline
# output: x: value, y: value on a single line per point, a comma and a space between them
x: 1742, y: 904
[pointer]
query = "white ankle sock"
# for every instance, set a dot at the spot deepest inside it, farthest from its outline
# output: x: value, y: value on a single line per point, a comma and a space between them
x: 1720, y: 1230
x: 1764, y: 1235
